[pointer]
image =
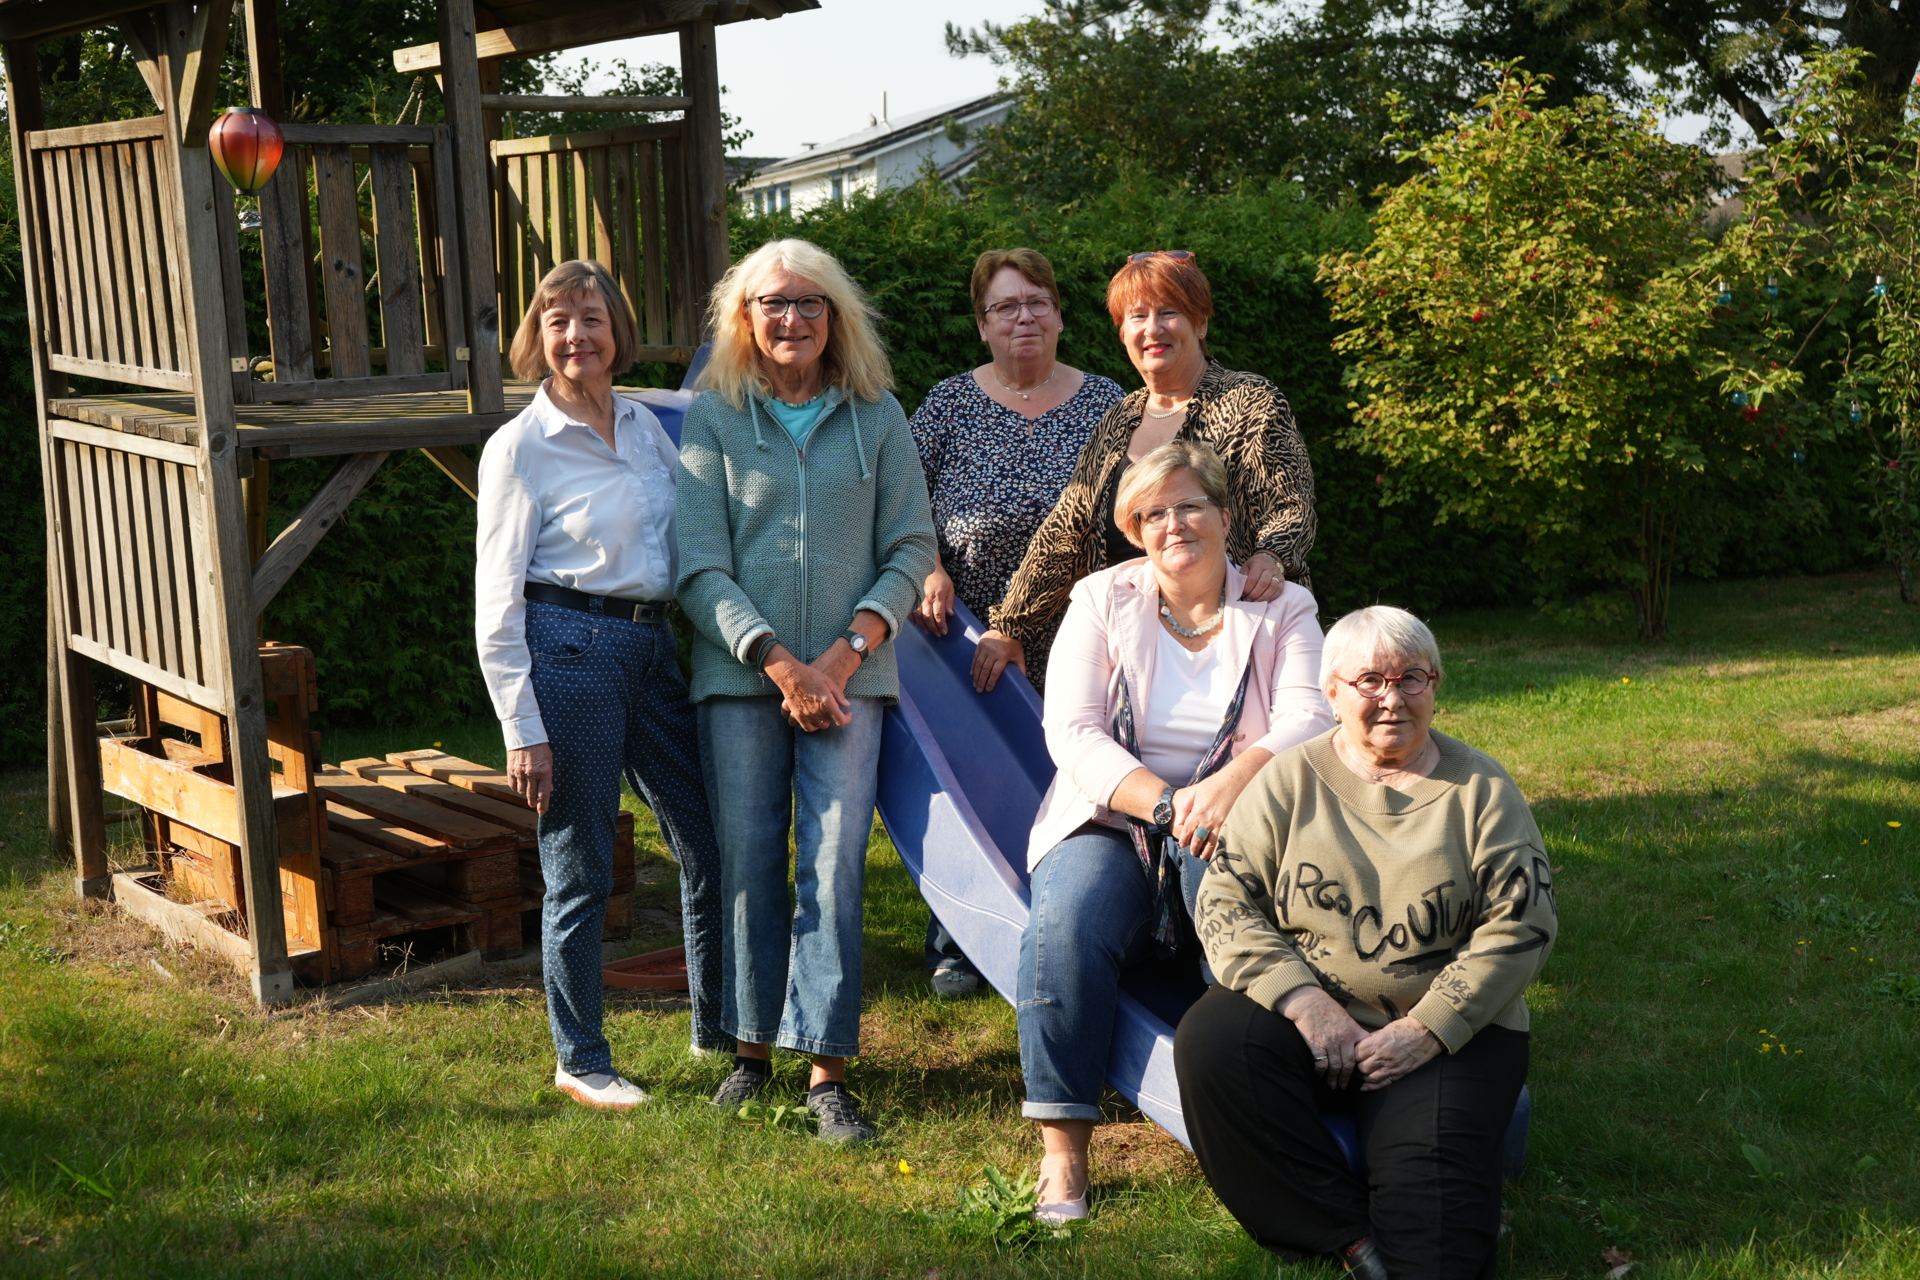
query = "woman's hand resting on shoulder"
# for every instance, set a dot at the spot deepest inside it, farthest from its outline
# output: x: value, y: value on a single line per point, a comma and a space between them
x: 1391, y: 1052
x: 1265, y: 578
x: 1330, y: 1033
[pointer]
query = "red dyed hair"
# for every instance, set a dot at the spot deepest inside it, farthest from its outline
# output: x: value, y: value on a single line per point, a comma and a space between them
x: 1160, y: 282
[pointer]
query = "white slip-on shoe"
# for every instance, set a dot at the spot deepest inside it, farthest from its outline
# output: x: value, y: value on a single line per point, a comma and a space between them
x: 617, y: 1093
x: 1055, y: 1212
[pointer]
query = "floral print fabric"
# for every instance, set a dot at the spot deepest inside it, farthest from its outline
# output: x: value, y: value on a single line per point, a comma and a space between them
x: 994, y: 476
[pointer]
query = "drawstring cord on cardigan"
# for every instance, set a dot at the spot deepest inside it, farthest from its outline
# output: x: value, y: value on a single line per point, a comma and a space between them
x: 859, y: 442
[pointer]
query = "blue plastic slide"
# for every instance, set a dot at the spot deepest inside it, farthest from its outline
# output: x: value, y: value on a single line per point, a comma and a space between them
x: 961, y: 777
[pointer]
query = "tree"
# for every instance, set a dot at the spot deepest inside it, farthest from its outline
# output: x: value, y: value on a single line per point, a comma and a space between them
x: 1739, y: 56
x: 1841, y: 203
x: 1527, y: 331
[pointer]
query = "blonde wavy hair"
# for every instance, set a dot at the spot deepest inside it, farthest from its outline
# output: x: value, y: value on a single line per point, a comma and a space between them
x: 854, y: 360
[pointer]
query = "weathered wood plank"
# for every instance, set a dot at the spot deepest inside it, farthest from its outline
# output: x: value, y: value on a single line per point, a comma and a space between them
x: 515, y: 817
x: 390, y: 836
x: 651, y: 251
x: 539, y: 245
x: 93, y: 135
x: 233, y: 295
x: 161, y: 293
x: 349, y: 388
x: 442, y: 767
x: 531, y: 39
x: 427, y: 245
x: 561, y: 102
x: 457, y: 467
x: 448, y: 826
x: 180, y: 921
x: 448, y: 271
x: 121, y: 259
x: 461, y: 86
x: 138, y: 375
x: 707, y: 200
x: 205, y: 804
x: 400, y: 321
x: 102, y: 316
x: 583, y: 203
x: 266, y: 85
x: 305, y: 530
x: 283, y: 247
x: 157, y: 564
x: 342, y: 260
x: 512, y: 237
x: 682, y: 307
x: 89, y: 544
x: 177, y: 547
x: 358, y: 135
x: 590, y: 140
x: 206, y: 46
x: 132, y: 234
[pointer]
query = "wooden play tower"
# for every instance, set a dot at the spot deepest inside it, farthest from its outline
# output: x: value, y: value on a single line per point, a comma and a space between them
x: 394, y: 258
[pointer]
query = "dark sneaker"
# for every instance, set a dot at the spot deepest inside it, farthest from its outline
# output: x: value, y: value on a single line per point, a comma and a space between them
x: 840, y: 1123
x: 742, y: 1086
x: 951, y: 981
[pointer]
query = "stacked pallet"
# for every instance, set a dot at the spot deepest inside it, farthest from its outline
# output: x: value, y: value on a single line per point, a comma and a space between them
x: 423, y: 840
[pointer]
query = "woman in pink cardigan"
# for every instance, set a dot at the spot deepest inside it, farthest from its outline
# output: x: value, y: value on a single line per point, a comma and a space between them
x: 1166, y: 693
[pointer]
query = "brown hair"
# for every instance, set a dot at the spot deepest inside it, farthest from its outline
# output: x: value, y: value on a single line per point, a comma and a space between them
x: 1037, y: 271
x: 1160, y: 281
x: 1174, y: 456
x: 529, y: 354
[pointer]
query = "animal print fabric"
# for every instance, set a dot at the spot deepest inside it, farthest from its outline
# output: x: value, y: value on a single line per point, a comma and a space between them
x: 1269, y: 488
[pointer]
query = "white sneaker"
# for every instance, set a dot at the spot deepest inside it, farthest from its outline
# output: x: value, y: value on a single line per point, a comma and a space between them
x: 1056, y: 1212
x: 618, y: 1094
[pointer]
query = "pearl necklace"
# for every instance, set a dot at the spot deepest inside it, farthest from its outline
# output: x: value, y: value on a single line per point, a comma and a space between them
x: 1204, y: 627
x: 1015, y: 391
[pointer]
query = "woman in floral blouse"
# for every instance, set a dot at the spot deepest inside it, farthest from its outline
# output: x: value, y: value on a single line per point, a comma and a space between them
x: 998, y: 445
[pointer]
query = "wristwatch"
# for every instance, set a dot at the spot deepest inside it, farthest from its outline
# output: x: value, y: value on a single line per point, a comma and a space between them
x: 1163, y: 811
x: 858, y: 643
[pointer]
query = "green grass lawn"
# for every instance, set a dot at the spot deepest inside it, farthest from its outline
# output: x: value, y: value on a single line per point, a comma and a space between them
x: 1733, y: 816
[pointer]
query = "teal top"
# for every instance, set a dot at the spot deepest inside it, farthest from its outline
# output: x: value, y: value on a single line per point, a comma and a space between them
x: 777, y: 537
x: 799, y: 419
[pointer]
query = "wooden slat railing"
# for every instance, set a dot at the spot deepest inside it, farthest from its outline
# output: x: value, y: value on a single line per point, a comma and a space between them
x: 616, y: 196
x: 116, y: 309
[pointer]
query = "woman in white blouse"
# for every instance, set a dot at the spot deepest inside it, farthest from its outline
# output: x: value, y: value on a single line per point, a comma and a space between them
x: 1166, y: 693
x: 577, y: 557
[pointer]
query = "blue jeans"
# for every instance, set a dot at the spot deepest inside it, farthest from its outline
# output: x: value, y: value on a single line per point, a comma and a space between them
x: 614, y: 701
x: 791, y: 971
x: 1088, y: 920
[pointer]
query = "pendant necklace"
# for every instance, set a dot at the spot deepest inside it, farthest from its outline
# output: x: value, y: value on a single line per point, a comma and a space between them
x: 1204, y: 627
x: 1015, y: 391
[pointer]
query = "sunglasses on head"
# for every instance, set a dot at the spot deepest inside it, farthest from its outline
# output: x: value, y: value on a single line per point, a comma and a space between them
x: 1178, y: 255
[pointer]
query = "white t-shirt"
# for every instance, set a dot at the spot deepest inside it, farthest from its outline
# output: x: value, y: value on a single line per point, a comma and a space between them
x: 1191, y: 692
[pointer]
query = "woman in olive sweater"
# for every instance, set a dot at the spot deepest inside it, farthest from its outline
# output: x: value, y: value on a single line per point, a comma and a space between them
x: 805, y: 534
x: 1377, y: 906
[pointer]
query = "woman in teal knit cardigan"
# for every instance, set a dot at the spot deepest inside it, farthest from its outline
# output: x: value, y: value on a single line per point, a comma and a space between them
x: 805, y: 534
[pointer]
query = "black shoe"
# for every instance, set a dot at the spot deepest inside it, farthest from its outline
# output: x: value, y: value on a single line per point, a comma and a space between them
x: 742, y: 1086
x: 832, y: 1106
x: 1363, y: 1261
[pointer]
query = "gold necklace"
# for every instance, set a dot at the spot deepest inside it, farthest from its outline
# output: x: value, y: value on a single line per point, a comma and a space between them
x: 1180, y: 408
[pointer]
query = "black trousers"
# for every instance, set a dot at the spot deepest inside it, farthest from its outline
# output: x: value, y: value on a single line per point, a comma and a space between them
x: 1431, y: 1197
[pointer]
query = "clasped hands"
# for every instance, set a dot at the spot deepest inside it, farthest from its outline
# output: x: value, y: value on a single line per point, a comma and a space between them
x: 814, y: 694
x: 1341, y: 1046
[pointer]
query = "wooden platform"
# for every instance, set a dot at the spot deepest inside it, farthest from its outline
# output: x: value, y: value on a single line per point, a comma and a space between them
x: 318, y: 428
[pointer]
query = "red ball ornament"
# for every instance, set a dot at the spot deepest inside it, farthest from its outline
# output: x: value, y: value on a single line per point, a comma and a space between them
x: 246, y: 146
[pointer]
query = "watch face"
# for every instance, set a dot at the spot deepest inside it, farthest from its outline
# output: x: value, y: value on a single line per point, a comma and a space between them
x: 859, y: 644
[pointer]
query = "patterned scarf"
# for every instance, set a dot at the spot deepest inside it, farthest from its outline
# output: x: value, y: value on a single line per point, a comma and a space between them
x: 1156, y: 859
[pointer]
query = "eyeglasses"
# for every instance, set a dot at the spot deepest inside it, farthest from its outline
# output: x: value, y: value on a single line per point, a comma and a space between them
x: 810, y: 306
x: 1411, y: 683
x: 1178, y: 255
x: 1187, y: 512
x: 1039, y: 308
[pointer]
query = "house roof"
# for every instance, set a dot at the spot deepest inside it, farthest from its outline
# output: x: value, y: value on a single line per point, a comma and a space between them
x: 885, y: 134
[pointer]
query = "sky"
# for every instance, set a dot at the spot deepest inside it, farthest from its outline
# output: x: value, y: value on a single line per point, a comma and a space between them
x: 815, y: 76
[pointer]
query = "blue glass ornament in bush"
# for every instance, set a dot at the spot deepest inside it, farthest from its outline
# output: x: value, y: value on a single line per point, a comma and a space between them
x: 1879, y: 286
x: 1853, y: 413
x: 1773, y: 287
x: 1739, y: 397
x: 1726, y: 294
x: 1798, y: 457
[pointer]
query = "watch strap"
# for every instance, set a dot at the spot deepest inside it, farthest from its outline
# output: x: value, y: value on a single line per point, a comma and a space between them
x: 858, y: 643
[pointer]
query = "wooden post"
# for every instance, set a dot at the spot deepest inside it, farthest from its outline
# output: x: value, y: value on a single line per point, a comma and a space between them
x: 460, y: 81
x: 706, y: 165
x: 73, y: 753
x: 265, y: 84
x: 228, y: 623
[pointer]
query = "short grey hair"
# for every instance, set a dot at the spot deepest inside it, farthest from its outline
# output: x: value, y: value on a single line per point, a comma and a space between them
x: 1170, y: 458
x: 1379, y: 628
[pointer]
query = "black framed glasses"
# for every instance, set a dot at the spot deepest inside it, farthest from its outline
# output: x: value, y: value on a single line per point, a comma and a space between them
x: 1039, y: 308
x: 1187, y: 511
x: 1411, y: 683
x: 1178, y: 255
x: 810, y: 306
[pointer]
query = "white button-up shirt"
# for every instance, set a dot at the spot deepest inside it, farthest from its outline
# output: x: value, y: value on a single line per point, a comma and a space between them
x: 558, y: 506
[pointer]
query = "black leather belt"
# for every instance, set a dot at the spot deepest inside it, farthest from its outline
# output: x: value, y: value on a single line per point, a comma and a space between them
x: 606, y: 606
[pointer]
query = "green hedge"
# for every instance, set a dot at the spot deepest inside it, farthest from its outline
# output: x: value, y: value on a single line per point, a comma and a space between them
x: 386, y: 600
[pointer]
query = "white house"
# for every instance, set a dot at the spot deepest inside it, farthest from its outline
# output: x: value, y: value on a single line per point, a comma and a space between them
x: 887, y: 153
